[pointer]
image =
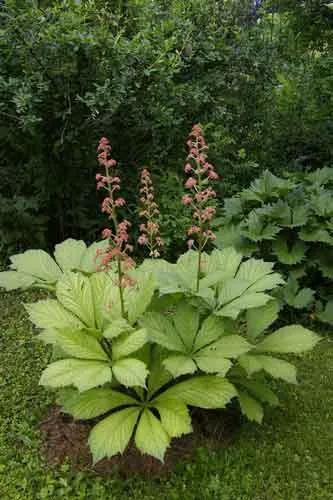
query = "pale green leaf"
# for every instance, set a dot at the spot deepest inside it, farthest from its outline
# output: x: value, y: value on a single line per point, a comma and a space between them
x: 232, y: 289
x: 116, y: 328
x: 83, y: 374
x: 206, y: 391
x: 211, y: 329
x: 158, y: 375
x: 12, y: 280
x: 230, y: 346
x: 246, y: 301
x: 78, y: 344
x: 112, y: 435
x: 211, y: 362
x: 279, y: 368
x: 68, y: 254
x: 225, y: 262
x: 260, y: 318
x: 50, y: 314
x: 289, y: 339
x: 187, y: 268
x: 95, y: 402
x: 250, y: 363
x: 250, y: 407
x: 260, y: 391
x: 186, y: 321
x: 267, y: 282
x: 138, y: 297
x: 179, y: 365
x: 74, y: 293
x: 90, y: 260
x: 130, y: 372
x: 98, y: 284
x: 150, y: 437
x: 37, y: 263
x: 161, y: 330
x: 254, y: 269
x: 175, y: 417
x: 129, y: 343
x: 289, y: 255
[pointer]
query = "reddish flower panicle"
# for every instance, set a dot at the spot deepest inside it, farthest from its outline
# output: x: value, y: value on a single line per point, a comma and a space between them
x: 149, y: 236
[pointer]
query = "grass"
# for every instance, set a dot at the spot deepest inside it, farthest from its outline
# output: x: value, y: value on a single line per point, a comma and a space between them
x: 290, y: 457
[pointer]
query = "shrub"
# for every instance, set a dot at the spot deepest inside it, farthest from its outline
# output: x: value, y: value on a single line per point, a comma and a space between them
x: 288, y: 220
x: 136, y: 347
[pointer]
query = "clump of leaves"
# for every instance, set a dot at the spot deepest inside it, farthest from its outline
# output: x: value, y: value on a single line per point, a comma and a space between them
x: 288, y: 220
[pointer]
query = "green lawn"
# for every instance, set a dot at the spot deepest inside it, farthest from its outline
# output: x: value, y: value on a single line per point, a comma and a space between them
x: 289, y: 457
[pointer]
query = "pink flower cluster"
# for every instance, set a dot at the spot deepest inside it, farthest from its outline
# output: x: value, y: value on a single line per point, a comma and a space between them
x: 149, y: 230
x: 119, y: 238
x: 201, y: 199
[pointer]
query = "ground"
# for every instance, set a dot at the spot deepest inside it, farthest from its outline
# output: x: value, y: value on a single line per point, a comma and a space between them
x: 289, y: 457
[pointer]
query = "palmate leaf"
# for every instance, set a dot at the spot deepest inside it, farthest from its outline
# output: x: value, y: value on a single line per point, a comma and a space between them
x: 295, y: 297
x: 289, y: 339
x: 253, y: 269
x: 260, y: 318
x: 37, y: 263
x: 256, y: 229
x: 205, y: 391
x: 323, y: 258
x: 224, y: 262
x: 150, y: 437
x: 213, y: 362
x: 98, y: 284
x: 73, y: 291
x: 179, y: 365
x: 175, y: 417
x: 117, y: 327
x: 138, y: 297
x: 186, y: 322
x: 112, y: 435
x: 12, y: 280
x: 129, y: 343
x: 93, y: 403
x: 246, y: 301
x: 161, y: 330
x: 260, y: 391
x: 230, y: 346
x: 289, y: 255
x: 158, y: 375
x: 277, y: 368
x: 83, y: 374
x: 211, y: 329
x: 130, y: 372
x: 75, y: 343
x: 250, y: 407
x: 89, y: 259
x: 186, y: 269
x: 69, y: 253
x: 316, y: 235
x: 50, y: 314
x: 327, y: 314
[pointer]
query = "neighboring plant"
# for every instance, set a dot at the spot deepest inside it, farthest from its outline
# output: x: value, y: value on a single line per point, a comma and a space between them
x: 135, y: 347
x: 288, y: 220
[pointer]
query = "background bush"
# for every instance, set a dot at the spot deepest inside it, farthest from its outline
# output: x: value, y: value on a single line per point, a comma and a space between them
x: 257, y: 75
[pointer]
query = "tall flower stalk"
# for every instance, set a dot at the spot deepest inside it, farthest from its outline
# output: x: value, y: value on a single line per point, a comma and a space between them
x: 117, y: 237
x: 149, y: 236
x: 201, y: 196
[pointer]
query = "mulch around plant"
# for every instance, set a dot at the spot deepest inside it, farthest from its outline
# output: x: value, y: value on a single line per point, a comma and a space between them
x: 65, y: 439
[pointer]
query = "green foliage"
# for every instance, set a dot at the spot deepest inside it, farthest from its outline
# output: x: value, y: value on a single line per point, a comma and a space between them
x: 139, y: 369
x: 288, y: 220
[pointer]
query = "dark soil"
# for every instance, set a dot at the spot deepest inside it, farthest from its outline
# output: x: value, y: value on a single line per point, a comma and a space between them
x: 66, y: 439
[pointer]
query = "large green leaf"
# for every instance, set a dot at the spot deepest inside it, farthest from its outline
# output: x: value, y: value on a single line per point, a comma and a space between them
x: 279, y: 368
x: 68, y: 254
x: 317, y: 235
x: 253, y: 269
x: 246, y: 301
x: 36, y: 263
x: 230, y: 346
x: 186, y: 321
x: 95, y: 402
x: 187, y: 267
x: 223, y: 263
x: 289, y: 339
x: 175, y: 417
x: 257, y: 229
x: 161, y: 330
x: 90, y: 260
x: 98, y: 284
x: 205, y: 392
x: 78, y: 344
x: 212, y: 362
x: 116, y: 328
x: 150, y: 437
x: 129, y: 343
x: 83, y: 374
x: 158, y: 375
x: 112, y: 435
x: 267, y: 282
x: 74, y: 293
x: 179, y: 365
x: 138, y: 297
x: 327, y: 314
x: 260, y: 318
x: 130, y: 372
x: 211, y: 329
x: 50, y: 314
x: 232, y: 289
x: 260, y: 391
x: 250, y: 407
x: 289, y: 255
x: 12, y: 280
